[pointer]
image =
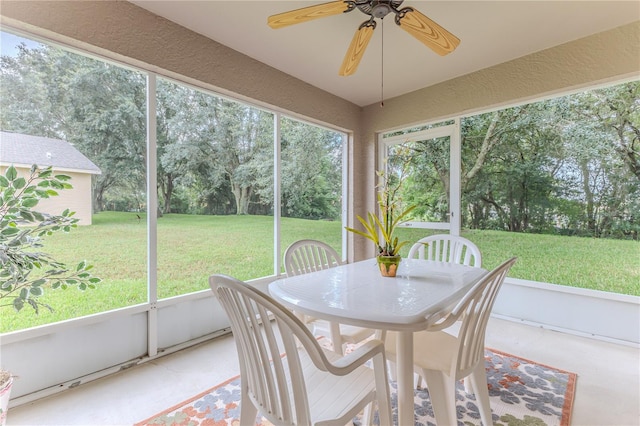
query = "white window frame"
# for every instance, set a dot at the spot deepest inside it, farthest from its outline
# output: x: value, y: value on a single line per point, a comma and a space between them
x: 452, y: 131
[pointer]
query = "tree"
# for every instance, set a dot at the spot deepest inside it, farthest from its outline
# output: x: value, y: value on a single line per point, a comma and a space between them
x: 600, y: 129
x: 26, y: 95
x: 242, y: 137
x: 98, y: 107
x: 311, y: 171
x: 618, y: 109
x: 212, y: 151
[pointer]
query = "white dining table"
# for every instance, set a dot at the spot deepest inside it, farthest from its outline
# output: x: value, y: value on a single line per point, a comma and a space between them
x: 356, y: 293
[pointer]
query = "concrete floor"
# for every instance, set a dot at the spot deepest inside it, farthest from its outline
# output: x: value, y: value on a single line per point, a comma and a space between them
x: 607, y: 392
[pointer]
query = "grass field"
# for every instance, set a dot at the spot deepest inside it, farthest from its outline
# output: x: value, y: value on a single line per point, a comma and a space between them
x: 190, y: 248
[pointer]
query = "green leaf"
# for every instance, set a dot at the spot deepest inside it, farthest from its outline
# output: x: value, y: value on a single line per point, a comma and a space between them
x: 4, y: 183
x: 56, y: 184
x: 11, y: 173
x: 44, y: 174
x: 33, y: 304
x: 18, y: 304
x: 19, y: 183
x: 81, y: 265
x: 36, y: 291
x: 29, y: 202
x: 10, y: 231
x: 26, y: 215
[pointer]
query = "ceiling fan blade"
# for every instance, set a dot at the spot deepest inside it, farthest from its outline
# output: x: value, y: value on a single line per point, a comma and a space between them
x: 427, y: 31
x: 356, y: 48
x: 308, y: 13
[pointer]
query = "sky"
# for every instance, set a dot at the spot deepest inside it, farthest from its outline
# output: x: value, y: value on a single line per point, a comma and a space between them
x: 8, y: 43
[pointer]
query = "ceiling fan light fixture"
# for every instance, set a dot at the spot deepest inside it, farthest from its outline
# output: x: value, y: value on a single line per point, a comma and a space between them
x: 380, y: 9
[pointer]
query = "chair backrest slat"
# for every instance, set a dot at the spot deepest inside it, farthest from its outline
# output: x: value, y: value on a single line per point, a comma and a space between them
x: 305, y: 256
x: 475, y: 309
x: 446, y: 248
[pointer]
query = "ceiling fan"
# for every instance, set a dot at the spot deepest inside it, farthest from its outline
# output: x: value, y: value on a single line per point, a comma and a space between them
x: 415, y: 23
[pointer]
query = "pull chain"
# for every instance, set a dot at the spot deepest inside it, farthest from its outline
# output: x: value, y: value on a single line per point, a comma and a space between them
x: 382, y: 67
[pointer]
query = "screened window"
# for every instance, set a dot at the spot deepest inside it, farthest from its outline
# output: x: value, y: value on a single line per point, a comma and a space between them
x: 216, y: 174
x: 311, y: 182
x: 555, y: 183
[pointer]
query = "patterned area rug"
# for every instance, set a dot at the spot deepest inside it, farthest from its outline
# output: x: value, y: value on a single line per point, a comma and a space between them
x: 521, y: 393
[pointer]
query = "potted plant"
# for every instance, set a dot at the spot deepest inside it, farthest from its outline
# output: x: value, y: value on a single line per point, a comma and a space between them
x: 25, y: 271
x: 381, y: 230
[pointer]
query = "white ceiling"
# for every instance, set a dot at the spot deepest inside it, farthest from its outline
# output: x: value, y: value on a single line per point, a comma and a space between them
x: 491, y: 32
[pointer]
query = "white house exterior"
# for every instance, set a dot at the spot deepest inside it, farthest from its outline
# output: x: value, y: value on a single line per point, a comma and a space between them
x: 22, y: 151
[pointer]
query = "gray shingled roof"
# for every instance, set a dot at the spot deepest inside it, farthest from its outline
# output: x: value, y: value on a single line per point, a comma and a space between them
x: 26, y: 150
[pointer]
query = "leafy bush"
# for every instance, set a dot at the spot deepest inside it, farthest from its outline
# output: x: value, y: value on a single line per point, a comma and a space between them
x: 26, y: 271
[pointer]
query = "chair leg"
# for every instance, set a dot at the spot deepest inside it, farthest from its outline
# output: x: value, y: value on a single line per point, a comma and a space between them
x: 442, y: 391
x: 479, y: 384
x: 392, y: 370
x: 467, y: 385
x: 336, y: 338
x: 248, y: 411
x: 367, y: 417
x: 383, y: 396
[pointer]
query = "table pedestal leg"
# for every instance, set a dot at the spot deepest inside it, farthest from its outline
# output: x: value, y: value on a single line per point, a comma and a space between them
x: 404, y: 365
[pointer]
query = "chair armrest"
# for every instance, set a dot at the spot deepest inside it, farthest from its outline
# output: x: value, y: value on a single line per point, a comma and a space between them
x: 441, y: 323
x: 348, y: 363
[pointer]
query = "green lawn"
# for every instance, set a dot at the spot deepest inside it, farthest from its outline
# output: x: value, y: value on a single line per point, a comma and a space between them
x: 190, y: 248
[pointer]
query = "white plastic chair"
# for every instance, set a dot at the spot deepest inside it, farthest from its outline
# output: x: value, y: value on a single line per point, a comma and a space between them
x: 286, y: 376
x: 443, y: 359
x: 446, y: 248
x: 306, y: 256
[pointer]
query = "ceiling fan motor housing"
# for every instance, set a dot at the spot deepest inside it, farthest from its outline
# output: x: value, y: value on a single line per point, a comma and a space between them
x: 379, y: 8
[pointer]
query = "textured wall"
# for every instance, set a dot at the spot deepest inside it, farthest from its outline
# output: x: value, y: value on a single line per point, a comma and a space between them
x: 602, y: 57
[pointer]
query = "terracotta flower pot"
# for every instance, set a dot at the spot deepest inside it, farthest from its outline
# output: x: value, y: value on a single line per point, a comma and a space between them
x: 389, y: 265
